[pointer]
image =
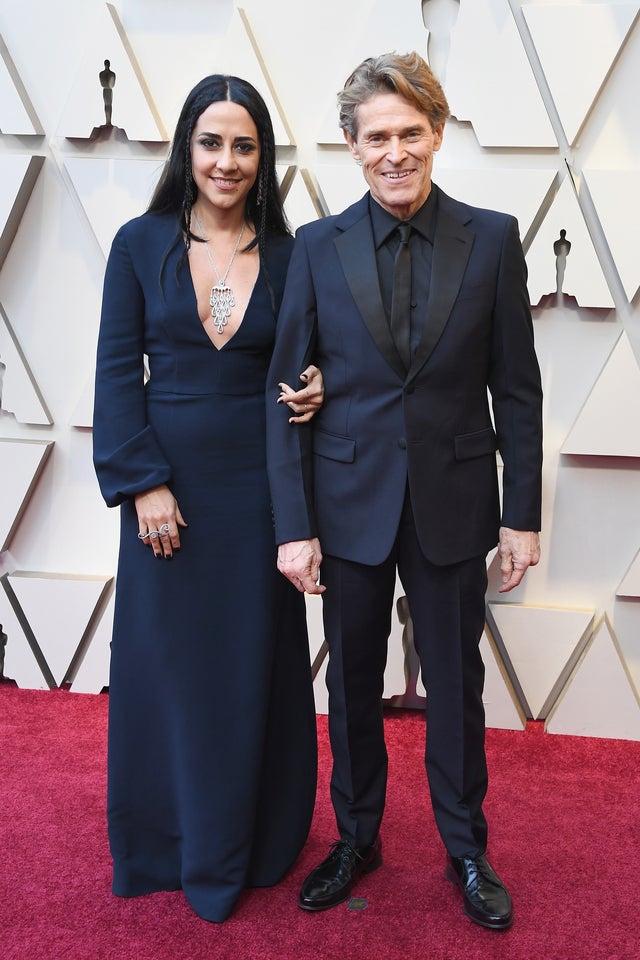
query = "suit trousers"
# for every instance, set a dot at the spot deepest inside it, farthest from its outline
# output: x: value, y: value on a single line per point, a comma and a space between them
x: 447, y: 606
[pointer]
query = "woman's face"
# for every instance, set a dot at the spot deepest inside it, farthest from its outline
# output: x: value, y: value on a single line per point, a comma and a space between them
x: 225, y: 155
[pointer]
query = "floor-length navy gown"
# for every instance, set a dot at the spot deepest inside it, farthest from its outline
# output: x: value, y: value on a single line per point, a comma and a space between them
x: 212, y: 750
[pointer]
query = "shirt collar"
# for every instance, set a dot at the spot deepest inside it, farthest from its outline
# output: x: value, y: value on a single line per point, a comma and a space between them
x: 423, y: 221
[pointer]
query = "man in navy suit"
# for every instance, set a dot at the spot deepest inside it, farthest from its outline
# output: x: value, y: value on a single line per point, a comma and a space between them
x: 415, y: 307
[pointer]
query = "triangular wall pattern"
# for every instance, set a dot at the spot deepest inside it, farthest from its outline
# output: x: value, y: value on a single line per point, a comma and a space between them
x: 608, y: 424
x: 540, y: 645
x: 18, y: 175
x: 501, y: 100
x: 17, y: 114
x: 133, y: 110
x: 92, y: 673
x: 630, y: 586
x: 19, y: 392
x: 502, y: 708
x: 82, y: 415
x: 302, y: 202
x: 112, y: 191
x: 615, y: 193
x: 583, y: 277
x: 21, y: 463
x: 58, y: 609
x: 246, y: 61
x: 577, y: 44
x: 20, y: 663
x: 379, y: 28
x: 599, y: 700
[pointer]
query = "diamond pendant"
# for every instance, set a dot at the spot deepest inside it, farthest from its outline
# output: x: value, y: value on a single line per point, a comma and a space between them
x: 221, y: 301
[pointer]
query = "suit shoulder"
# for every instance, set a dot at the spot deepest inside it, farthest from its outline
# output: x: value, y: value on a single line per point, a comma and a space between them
x: 317, y: 229
x: 149, y: 225
x: 496, y: 219
x: 334, y: 223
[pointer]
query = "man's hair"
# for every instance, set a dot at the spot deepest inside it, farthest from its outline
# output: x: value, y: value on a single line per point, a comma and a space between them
x: 408, y: 75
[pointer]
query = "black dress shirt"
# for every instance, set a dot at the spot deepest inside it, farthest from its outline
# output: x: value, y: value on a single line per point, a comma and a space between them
x: 386, y: 240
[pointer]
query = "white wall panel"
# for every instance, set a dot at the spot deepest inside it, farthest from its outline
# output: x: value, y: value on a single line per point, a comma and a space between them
x: 523, y: 78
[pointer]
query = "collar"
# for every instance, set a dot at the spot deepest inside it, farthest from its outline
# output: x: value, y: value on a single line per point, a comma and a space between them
x: 423, y: 221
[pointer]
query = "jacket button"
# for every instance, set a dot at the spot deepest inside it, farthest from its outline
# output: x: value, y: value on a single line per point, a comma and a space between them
x: 402, y: 443
x: 410, y: 389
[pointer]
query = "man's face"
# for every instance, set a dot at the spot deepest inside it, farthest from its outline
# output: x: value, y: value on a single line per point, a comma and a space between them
x: 395, y: 143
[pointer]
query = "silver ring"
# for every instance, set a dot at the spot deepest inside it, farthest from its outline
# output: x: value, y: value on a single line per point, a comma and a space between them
x: 153, y: 534
x: 164, y: 529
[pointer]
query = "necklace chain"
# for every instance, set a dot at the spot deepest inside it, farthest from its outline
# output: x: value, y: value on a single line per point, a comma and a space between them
x: 221, y: 299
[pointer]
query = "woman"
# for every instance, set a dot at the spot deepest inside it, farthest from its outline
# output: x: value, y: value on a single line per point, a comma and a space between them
x: 212, y: 763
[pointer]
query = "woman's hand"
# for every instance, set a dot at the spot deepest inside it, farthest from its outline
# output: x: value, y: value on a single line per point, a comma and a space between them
x: 307, y: 401
x: 158, y: 520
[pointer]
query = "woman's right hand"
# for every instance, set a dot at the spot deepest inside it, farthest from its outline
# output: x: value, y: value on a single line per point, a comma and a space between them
x: 158, y: 520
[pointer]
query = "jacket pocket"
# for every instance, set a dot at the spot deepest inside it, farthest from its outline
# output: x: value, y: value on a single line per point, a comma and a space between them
x: 477, y: 444
x: 333, y: 447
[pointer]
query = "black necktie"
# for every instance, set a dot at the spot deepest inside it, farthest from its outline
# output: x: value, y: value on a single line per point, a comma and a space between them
x: 401, y: 296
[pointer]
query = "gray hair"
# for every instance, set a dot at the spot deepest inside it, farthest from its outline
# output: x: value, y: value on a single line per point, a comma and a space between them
x: 405, y: 74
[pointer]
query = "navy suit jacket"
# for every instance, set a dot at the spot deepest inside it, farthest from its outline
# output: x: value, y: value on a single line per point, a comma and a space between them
x: 343, y: 477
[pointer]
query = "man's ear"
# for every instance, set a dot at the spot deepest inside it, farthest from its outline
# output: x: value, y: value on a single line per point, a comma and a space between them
x: 438, y: 134
x: 351, y: 143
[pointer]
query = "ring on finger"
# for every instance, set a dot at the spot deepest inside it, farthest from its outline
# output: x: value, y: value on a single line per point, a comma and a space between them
x: 163, y: 530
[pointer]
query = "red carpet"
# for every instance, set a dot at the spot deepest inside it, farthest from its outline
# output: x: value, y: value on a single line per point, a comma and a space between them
x: 564, y: 811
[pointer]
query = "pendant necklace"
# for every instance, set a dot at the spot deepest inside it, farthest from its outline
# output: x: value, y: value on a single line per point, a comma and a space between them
x: 221, y: 299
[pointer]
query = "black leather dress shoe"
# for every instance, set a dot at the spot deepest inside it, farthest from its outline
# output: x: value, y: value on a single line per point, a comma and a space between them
x: 330, y: 883
x: 486, y: 899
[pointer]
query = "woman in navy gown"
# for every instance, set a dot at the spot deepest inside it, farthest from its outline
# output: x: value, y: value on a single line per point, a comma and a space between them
x: 212, y: 749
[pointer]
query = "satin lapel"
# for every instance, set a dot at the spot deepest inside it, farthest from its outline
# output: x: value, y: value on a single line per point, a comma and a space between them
x: 358, y: 258
x: 451, y: 252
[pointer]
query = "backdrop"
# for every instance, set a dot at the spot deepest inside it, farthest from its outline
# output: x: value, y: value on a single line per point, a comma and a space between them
x: 546, y: 125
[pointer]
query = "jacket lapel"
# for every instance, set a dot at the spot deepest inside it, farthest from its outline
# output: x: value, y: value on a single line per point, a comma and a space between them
x: 357, y: 255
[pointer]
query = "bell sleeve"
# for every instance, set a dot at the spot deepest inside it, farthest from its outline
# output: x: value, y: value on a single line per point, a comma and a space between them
x: 126, y: 453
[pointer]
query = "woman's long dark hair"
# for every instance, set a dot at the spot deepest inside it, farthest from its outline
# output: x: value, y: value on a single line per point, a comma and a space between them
x: 177, y: 192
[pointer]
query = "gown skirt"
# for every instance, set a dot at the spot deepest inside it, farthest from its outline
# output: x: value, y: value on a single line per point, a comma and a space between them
x: 212, y: 743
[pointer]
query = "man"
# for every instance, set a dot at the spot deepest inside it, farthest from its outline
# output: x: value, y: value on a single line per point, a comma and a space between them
x: 398, y: 469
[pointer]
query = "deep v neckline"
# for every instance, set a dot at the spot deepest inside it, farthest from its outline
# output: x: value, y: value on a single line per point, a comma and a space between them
x: 205, y: 333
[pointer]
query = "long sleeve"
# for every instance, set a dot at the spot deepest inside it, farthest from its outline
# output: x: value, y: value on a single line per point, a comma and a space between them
x: 516, y: 390
x: 289, y: 448
x: 127, y: 456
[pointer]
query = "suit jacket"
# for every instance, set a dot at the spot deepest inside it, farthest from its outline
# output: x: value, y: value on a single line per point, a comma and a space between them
x: 343, y: 477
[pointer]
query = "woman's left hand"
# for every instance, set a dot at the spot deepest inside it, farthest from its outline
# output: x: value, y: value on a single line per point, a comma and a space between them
x: 306, y: 402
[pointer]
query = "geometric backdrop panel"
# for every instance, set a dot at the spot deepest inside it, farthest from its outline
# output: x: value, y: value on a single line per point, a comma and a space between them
x: 502, y: 708
x: 92, y: 672
x: 58, y: 609
x: 500, y: 97
x: 609, y: 422
x: 616, y: 195
x: 21, y: 663
x: 18, y: 174
x: 132, y: 108
x: 599, y: 699
x: 17, y: 116
x: 577, y: 40
x: 580, y: 275
x: 21, y: 463
x: 19, y: 392
x: 112, y: 191
x: 630, y: 584
x: 540, y: 646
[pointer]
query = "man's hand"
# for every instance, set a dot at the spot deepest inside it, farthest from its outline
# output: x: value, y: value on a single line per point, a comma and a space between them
x: 300, y: 562
x: 518, y: 549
